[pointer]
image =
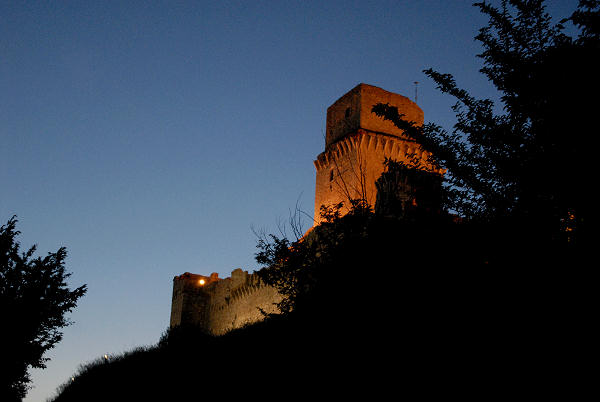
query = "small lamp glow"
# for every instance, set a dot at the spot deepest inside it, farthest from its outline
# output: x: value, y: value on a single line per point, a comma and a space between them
x: 201, y: 282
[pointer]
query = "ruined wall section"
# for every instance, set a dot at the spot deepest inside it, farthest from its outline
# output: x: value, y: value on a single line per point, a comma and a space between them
x: 221, y: 305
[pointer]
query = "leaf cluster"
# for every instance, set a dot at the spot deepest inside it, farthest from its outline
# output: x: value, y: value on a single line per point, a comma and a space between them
x: 34, y: 299
x: 324, y: 269
x: 526, y: 159
x: 302, y: 268
x: 409, y: 191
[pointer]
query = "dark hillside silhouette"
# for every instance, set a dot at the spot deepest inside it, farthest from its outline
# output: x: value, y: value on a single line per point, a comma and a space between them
x: 393, y: 301
x: 406, y: 299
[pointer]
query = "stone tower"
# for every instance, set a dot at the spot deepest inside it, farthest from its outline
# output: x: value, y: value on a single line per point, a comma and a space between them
x: 356, y: 144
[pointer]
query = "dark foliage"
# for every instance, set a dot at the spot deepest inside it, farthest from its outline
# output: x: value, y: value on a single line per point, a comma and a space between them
x: 272, y: 360
x: 410, y: 193
x: 383, y: 307
x: 34, y: 299
x: 428, y: 297
x: 404, y: 299
x: 526, y: 168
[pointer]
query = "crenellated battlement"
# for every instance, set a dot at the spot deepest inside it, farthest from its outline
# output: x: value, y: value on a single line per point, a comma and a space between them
x: 356, y: 144
x: 381, y: 144
x: 220, y: 305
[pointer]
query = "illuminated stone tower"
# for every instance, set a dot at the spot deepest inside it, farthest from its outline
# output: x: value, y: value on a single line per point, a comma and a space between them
x: 356, y: 144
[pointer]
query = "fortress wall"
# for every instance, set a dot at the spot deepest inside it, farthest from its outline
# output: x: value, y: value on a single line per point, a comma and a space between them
x: 188, y: 304
x: 370, y: 96
x: 343, y: 116
x: 242, y: 306
x: 221, y: 305
x: 353, y: 111
x: 356, y: 144
x: 361, y: 154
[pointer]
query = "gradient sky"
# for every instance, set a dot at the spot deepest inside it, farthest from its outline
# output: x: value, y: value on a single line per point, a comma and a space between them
x: 149, y: 138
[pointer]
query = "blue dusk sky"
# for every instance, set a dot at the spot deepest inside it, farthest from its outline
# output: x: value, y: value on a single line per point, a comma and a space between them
x: 150, y: 137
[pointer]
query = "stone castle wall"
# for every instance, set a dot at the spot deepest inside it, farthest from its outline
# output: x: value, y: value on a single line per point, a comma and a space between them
x: 356, y: 144
x: 220, y: 305
x: 350, y: 168
x: 352, y: 111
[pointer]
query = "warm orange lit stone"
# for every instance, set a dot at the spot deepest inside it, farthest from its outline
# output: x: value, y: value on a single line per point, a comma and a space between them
x: 352, y: 112
x: 357, y: 141
x: 220, y: 305
x: 356, y: 144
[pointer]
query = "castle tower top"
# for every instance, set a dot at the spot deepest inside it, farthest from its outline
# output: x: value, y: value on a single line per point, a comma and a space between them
x: 353, y: 111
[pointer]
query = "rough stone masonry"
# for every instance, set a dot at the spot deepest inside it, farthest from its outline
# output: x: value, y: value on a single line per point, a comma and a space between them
x: 356, y: 144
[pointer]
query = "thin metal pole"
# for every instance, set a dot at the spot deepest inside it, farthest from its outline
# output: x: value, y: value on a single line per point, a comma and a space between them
x: 416, y: 86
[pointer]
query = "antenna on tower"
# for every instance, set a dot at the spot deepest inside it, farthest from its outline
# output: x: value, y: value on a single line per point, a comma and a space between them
x: 416, y: 87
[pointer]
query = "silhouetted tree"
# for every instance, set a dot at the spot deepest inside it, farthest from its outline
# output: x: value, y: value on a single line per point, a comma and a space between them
x: 34, y: 298
x: 518, y: 175
x: 523, y: 169
x: 516, y: 179
x: 366, y: 266
x: 408, y: 192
